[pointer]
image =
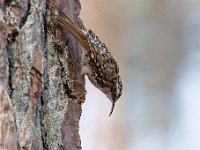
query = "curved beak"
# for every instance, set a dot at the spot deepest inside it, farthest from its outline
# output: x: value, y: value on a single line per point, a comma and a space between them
x: 112, y: 108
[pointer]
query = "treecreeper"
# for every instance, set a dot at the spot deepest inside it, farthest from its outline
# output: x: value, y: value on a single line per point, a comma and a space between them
x: 97, y: 61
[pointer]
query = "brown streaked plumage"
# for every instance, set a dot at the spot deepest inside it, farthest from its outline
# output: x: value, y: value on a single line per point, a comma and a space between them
x: 98, y: 62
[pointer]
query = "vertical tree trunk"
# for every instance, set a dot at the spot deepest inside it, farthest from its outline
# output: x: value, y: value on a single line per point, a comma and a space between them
x: 41, y: 89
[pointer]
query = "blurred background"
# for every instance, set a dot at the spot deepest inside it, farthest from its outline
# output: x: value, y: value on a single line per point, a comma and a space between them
x: 157, y: 45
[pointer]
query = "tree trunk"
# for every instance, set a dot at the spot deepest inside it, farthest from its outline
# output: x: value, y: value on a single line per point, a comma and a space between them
x: 41, y: 88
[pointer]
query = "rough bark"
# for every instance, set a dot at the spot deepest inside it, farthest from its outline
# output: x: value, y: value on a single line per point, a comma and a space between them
x: 41, y: 89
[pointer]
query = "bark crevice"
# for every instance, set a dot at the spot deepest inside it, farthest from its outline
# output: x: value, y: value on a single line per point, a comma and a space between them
x: 25, y: 16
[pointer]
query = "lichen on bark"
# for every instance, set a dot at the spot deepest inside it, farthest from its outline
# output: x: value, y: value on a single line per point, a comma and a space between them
x: 40, y: 80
